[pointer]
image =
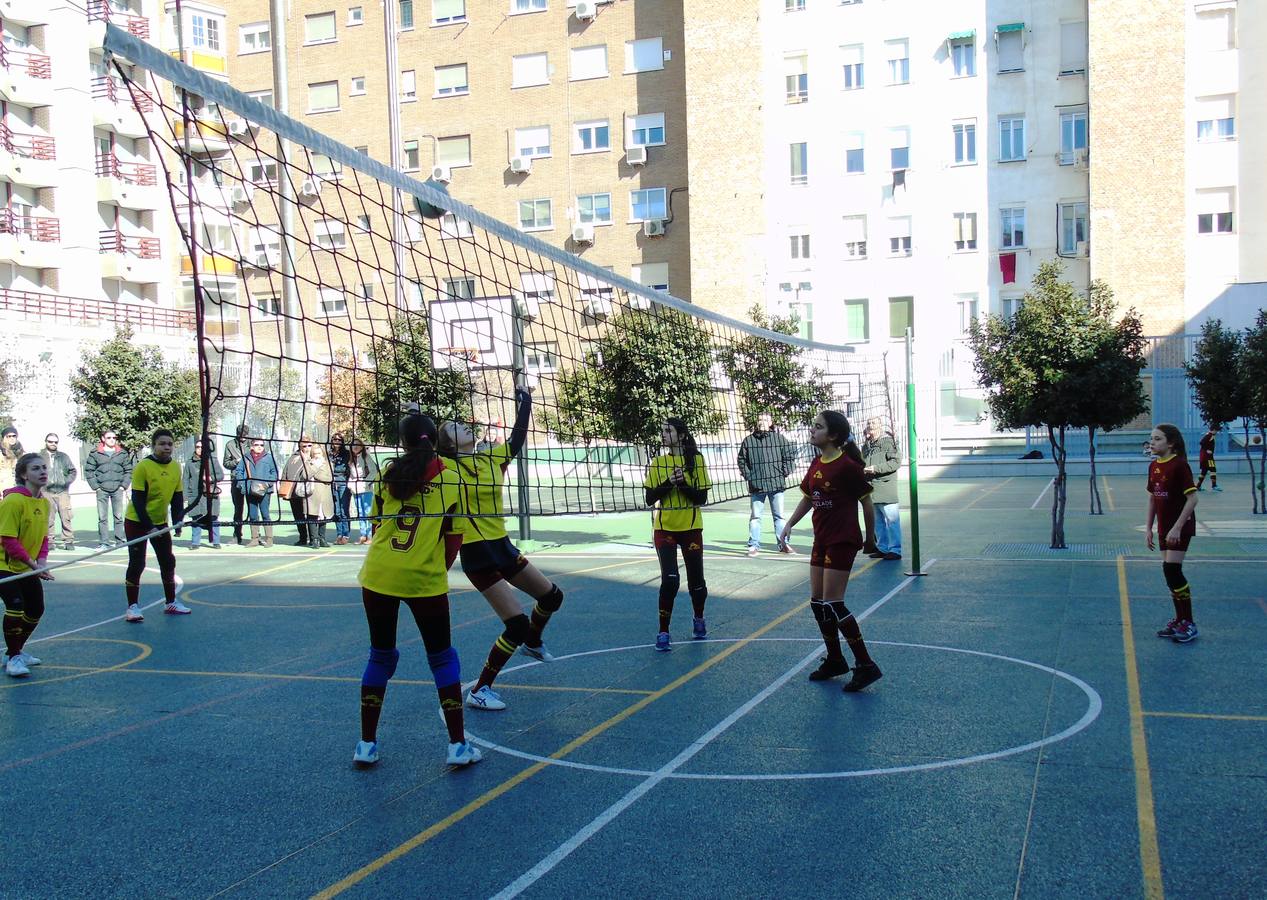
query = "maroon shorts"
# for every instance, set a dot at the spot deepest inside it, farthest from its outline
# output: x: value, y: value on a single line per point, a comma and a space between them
x: 1185, y: 537
x: 833, y: 556
x: 687, y: 540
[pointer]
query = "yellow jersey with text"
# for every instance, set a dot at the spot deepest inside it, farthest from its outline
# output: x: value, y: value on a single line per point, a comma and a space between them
x: 406, y: 554
x: 161, y: 482
x: 26, y: 518
x: 674, y: 512
x: 483, y: 475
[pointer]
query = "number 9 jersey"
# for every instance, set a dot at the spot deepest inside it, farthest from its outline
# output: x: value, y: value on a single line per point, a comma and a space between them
x: 406, y: 554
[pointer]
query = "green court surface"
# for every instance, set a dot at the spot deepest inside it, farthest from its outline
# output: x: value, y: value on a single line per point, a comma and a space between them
x: 1031, y: 735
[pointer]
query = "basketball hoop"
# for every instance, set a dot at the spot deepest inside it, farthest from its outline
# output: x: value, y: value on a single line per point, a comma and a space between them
x: 469, y: 354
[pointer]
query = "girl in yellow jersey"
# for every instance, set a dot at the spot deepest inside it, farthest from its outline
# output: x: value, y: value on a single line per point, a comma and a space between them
x: 677, y: 486
x: 489, y: 559
x: 24, y: 537
x: 406, y: 563
x: 156, y: 488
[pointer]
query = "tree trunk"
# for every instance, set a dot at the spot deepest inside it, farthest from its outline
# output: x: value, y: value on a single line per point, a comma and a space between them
x: 1097, y: 508
x: 1058, y: 488
x: 1262, y: 469
x: 1253, y: 476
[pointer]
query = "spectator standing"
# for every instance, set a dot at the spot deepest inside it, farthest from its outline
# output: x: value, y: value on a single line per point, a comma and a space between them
x: 257, y: 474
x: 10, y: 453
x: 881, y: 460
x: 233, y: 453
x: 319, y: 503
x: 362, y: 475
x: 295, y: 474
x: 61, y: 475
x: 766, y: 458
x: 108, y: 471
x: 339, y: 488
x: 202, y: 488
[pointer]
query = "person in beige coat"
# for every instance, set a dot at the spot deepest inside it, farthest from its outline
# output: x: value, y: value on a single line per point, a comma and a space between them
x: 311, y: 499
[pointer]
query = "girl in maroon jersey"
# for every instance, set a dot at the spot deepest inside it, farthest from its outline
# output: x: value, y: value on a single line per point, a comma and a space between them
x: 1172, y: 502
x: 834, y: 487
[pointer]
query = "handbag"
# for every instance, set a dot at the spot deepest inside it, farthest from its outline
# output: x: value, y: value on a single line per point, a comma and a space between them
x: 284, y: 489
x: 258, y: 491
x: 303, y: 489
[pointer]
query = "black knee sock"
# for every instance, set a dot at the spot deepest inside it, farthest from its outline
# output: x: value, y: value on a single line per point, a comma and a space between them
x: 545, y: 607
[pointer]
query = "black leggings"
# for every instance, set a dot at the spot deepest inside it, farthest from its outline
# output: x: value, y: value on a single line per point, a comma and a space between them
x: 431, y: 614
x: 26, y: 595
x: 239, y: 500
x: 669, y: 578
x: 162, y: 544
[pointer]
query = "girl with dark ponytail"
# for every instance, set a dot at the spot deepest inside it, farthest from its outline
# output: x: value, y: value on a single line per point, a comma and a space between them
x: 677, y: 486
x: 834, y: 487
x: 407, y: 562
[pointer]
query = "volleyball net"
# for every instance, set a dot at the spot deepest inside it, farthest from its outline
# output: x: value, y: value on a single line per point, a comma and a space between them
x: 333, y: 292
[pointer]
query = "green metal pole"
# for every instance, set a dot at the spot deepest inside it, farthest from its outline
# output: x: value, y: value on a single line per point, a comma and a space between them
x: 912, y: 452
x: 521, y: 463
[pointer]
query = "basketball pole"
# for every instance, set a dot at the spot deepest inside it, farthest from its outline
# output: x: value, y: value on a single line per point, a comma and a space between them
x: 912, y: 454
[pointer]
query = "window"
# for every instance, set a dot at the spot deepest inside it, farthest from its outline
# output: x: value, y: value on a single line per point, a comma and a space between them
x: 1216, y: 118
x: 453, y: 227
x: 319, y: 29
x: 855, y: 163
x: 458, y: 289
x: 900, y: 236
x: 648, y: 204
x: 652, y: 275
x: 532, y: 142
x: 899, y: 148
x: 590, y: 137
x: 213, y: 34
x: 356, y: 16
x: 803, y: 313
x: 857, y: 324
x: 405, y: 15
x: 410, y: 156
x: 323, y: 97
x: 589, y: 62
x: 264, y: 246
x: 1073, y: 135
x: 330, y: 234
x: 853, y: 66
x: 445, y: 12
x: 408, y: 85
x: 364, y: 151
x: 526, y: 6
x: 595, y: 209
x: 529, y: 69
x: 1011, y: 43
x: 365, y: 292
x: 265, y: 97
x: 855, y: 228
x: 541, y: 357
x: 799, y: 155
x: 965, y: 231
x: 331, y: 301
x: 1074, y: 228
x: 1011, y: 139
x: 969, y: 310
x: 454, y: 151
x: 1073, y: 48
x: 1013, y: 223
x: 901, y: 316
x: 899, y: 56
x: 326, y: 168
x: 261, y: 172
x: 1216, y: 28
x: 645, y: 55
x: 451, y: 80
x: 415, y: 295
x: 794, y: 5
x: 796, y: 78
x: 645, y: 130
x: 798, y: 246
x: 254, y: 38
x: 535, y: 215
x: 363, y: 223
x: 537, y: 286
x: 963, y: 55
x: 269, y: 307
x: 358, y: 86
x: 965, y: 143
x: 1010, y: 306
x: 1214, y: 211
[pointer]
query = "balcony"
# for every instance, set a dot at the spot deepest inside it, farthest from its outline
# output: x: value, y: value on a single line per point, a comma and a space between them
x: 29, y: 159
x: 130, y: 257
x: 24, y: 12
x: 30, y: 241
x: 81, y: 311
x: 131, y: 185
x: 207, y: 136
x: 102, y: 11
x: 25, y: 77
x: 118, y: 106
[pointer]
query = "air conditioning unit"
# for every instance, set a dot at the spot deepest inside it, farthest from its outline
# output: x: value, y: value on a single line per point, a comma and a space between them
x: 637, y: 301
x: 521, y: 165
x: 636, y: 156
x: 1082, y: 159
x: 586, y: 10
x: 583, y: 233
x: 239, y: 193
x: 1082, y: 249
x: 311, y: 187
x: 599, y: 308
x: 653, y: 228
x: 239, y: 127
x: 261, y: 260
x: 442, y: 174
x: 529, y: 308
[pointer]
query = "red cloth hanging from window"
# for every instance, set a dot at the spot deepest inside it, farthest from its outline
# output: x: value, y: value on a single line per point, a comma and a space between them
x: 1007, y: 265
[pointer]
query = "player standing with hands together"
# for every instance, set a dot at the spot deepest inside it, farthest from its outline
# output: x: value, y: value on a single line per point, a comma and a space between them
x: 24, y: 536
x: 156, y: 488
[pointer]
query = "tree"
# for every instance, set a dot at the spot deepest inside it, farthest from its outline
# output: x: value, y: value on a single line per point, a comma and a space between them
x: 770, y: 377
x: 1037, y: 366
x: 1219, y: 388
x: 346, y: 387
x: 580, y: 411
x: 403, y: 374
x: 15, y: 372
x: 133, y: 391
x: 1253, y: 375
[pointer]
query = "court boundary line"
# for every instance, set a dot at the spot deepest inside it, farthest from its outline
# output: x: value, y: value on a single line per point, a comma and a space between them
x: 1221, y: 717
x: 1039, y: 498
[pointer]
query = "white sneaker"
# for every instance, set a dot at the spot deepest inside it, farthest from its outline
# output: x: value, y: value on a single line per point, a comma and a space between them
x: 28, y: 659
x: 15, y: 668
x: 541, y: 654
x: 176, y: 608
x: 366, y: 753
x: 753, y: 551
x: 463, y: 754
x: 484, y: 698
x: 134, y: 614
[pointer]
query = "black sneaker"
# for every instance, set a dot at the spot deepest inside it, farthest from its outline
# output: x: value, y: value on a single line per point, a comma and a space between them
x: 829, y: 668
x: 863, y: 676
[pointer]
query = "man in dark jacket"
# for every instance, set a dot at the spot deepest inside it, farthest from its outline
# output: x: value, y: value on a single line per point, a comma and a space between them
x: 233, y: 453
x: 881, y: 459
x: 61, y: 475
x: 766, y: 459
x: 108, y: 469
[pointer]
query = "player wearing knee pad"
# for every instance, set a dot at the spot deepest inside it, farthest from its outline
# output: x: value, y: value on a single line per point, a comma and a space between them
x: 24, y: 538
x: 1172, y: 503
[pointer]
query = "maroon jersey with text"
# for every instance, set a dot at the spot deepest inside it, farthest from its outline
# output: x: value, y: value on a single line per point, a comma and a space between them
x: 835, y: 488
x: 1207, y: 447
x: 1170, y: 483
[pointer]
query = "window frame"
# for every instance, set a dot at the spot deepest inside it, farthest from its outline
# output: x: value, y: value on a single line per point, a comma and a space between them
x: 533, y: 6
x: 802, y: 179
x: 970, y: 57
x: 254, y: 29
x: 352, y: 88
x: 533, y: 350
x: 572, y: 57
x: 904, y: 61
x: 631, y: 56
x: 580, y: 214
x: 545, y: 70
x: 448, y: 20
x: 901, y: 246
x: 1066, y: 247
x: 1011, y: 121
x: 324, y: 294
x: 852, y: 70
x: 327, y: 237
x: 1019, y: 37
x: 1008, y: 218
x: 962, y: 244
x: 649, y: 191
x: 324, y: 109
x: 632, y: 128
x: 359, y: 19
x: 537, y: 151
x: 594, y: 125
x: 1068, y: 156
x: 909, y: 301
x: 462, y: 91
x: 406, y: 95
x: 334, y: 29
x: 454, y: 139
x: 864, y: 304
x: 964, y: 135
x: 537, y: 224
x: 851, y: 248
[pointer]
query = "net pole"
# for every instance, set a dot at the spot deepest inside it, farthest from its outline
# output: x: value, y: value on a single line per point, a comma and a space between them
x: 521, y: 462
x: 292, y: 314
x: 912, y: 453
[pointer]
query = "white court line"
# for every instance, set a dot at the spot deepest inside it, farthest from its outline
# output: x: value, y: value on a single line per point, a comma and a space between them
x: 564, y: 850
x: 1039, y: 498
x: 180, y: 583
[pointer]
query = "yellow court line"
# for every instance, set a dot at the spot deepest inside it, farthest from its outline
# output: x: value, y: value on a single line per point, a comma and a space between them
x: 1149, y: 854
x: 986, y: 493
x: 1214, y: 716
x: 1108, y: 492
x: 489, y: 796
x: 85, y: 671
x: 289, y: 565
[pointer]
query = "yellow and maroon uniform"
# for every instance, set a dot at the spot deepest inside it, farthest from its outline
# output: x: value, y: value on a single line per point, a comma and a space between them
x: 834, y: 488
x: 1170, y: 483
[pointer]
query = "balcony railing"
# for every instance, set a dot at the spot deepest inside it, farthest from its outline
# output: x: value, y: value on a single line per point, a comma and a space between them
x: 102, y: 11
x: 113, y: 241
x: 112, y: 88
x: 141, y: 174
x: 35, y: 65
x: 27, y: 146
x: 44, y: 229
x: 32, y: 305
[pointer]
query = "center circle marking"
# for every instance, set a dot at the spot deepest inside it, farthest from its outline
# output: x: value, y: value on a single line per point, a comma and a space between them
x: 1094, y: 706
